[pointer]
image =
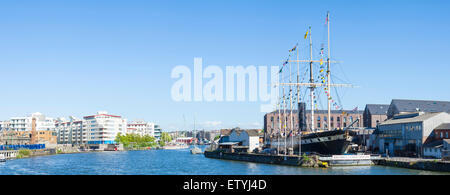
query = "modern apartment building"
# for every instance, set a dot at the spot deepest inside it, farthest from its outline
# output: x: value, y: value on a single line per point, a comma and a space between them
x: 70, y: 132
x: 43, y: 123
x: 103, y: 128
x: 141, y: 127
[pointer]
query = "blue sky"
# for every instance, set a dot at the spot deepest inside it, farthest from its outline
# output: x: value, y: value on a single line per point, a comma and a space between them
x: 66, y: 58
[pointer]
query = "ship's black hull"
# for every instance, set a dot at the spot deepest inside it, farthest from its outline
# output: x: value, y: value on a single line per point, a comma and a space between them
x: 334, y: 142
x: 336, y: 147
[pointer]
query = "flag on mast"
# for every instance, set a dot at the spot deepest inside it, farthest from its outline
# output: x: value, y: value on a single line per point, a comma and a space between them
x: 293, y: 49
x: 306, y: 35
x: 328, y: 16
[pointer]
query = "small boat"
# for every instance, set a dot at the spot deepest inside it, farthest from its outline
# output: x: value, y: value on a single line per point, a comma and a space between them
x: 196, y: 150
x: 2, y: 158
x: 175, y: 147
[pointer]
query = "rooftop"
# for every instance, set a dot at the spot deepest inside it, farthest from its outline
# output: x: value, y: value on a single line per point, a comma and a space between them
x: 321, y: 111
x: 421, y: 105
x: 419, y: 118
x: 377, y: 109
x: 444, y: 126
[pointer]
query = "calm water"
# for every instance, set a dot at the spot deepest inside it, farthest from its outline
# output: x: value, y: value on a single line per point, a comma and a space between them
x: 170, y: 162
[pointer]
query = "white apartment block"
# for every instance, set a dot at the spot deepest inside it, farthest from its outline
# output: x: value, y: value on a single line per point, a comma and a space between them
x: 103, y: 128
x: 43, y: 123
x: 70, y: 132
x: 4, y: 125
x: 141, y: 127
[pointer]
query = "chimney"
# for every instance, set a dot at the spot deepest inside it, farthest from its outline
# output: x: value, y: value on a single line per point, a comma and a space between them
x: 302, y: 116
x: 33, y: 131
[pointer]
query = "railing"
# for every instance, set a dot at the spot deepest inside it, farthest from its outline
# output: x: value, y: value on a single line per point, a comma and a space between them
x: 17, y: 147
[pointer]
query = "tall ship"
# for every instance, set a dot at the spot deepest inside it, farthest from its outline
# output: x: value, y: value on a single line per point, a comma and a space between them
x: 288, y: 138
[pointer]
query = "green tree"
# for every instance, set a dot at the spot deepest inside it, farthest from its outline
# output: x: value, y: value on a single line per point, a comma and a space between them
x: 136, y: 141
x: 165, y: 137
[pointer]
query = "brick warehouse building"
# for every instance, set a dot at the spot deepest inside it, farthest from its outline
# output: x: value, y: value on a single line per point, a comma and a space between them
x: 338, y: 120
x: 374, y: 114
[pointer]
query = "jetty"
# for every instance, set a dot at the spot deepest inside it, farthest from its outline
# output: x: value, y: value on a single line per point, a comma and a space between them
x: 415, y: 163
x: 304, y: 161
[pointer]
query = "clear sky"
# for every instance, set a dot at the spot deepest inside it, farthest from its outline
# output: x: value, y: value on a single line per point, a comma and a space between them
x: 66, y: 58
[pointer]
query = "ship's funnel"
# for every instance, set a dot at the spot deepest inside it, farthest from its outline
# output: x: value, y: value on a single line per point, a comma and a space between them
x: 302, y: 116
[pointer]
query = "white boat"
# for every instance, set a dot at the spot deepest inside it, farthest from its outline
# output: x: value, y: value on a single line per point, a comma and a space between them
x: 2, y: 158
x: 196, y: 150
x: 175, y: 147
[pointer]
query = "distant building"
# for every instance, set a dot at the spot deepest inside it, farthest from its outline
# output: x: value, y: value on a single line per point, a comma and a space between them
x: 70, y: 132
x: 405, y: 134
x: 15, y: 138
x: 157, y: 132
x: 141, y: 127
x: 375, y: 114
x: 103, y: 128
x: 185, y: 140
x: 43, y: 123
x: 4, y: 125
x: 399, y: 106
x: 338, y: 120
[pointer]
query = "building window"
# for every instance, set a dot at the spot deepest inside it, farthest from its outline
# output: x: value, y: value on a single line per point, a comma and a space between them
x: 446, y: 134
x: 318, y: 119
x: 338, y: 119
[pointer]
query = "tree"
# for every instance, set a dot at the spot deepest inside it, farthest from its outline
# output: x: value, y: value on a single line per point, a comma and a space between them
x: 165, y: 137
x: 136, y: 140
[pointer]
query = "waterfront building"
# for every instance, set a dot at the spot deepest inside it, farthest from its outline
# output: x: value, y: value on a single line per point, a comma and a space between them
x: 245, y: 140
x: 399, y: 106
x: 185, y: 140
x: 433, y: 149
x: 49, y: 138
x: 405, y: 134
x: 446, y: 150
x: 442, y: 131
x: 225, y: 135
x: 43, y: 123
x: 70, y: 132
x: 141, y: 127
x: 103, y: 128
x: 14, y: 138
x: 374, y: 114
x: 157, y: 132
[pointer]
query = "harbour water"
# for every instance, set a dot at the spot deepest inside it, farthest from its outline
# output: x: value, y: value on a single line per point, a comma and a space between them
x: 172, y: 162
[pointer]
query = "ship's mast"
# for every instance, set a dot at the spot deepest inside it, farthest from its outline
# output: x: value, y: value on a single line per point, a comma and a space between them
x: 328, y: 74
x: 290, y: 102
x: 285, y: 119
x: 298, y: 103
x: 311, y: 93
x: 279, y: 129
